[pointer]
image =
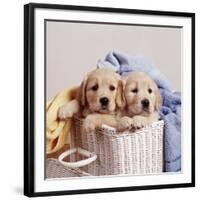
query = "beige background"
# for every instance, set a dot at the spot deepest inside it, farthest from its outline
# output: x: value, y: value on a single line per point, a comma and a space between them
x: 73, y: 49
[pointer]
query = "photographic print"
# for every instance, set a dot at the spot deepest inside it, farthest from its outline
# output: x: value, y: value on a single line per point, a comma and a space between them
x: 109, y: 97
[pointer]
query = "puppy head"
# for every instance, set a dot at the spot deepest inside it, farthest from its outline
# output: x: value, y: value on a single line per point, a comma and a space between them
x: 141, y: 94
x: 98, y: 91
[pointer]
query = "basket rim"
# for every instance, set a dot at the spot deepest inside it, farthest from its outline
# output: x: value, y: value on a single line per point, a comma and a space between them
x: 109, y: 132
x: 115, y: 133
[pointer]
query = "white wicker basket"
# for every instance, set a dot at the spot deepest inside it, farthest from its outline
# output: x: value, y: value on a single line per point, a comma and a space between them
x: 54, y: 169
x: 139, y: 152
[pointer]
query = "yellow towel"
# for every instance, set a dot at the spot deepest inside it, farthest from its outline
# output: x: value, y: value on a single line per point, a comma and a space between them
x: 58, y: 131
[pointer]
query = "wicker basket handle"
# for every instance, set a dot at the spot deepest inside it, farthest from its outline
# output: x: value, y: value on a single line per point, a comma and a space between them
x: 91, y: 158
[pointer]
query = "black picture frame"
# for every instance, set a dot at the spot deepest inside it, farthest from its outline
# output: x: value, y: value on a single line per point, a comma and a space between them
x: 29, y: 95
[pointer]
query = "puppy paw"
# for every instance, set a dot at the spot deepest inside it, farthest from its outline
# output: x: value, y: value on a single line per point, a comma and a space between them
x: 64, y: 113
x: 125, y: 123
x: 138, y: 122
x: 88, y: 125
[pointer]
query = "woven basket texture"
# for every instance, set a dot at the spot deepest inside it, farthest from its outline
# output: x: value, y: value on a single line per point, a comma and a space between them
x: 56, y: 170
x: 139, y: 152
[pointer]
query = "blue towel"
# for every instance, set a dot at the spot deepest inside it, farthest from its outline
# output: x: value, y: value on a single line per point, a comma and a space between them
x: 170, y: 111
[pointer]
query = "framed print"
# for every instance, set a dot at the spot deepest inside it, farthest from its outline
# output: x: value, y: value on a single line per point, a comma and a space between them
x: 109, y: 99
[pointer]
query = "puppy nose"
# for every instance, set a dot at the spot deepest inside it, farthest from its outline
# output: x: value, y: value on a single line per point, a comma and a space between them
x: 145, y: 103
x: 104, y: 101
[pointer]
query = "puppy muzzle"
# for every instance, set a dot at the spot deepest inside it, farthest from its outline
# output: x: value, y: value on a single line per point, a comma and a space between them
x: 145, y: 104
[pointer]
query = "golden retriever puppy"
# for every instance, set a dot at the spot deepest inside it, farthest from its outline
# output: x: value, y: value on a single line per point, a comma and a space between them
x: 97, y: 100
x: 141, y: 102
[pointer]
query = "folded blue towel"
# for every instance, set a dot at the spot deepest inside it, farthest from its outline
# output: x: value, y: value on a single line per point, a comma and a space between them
x: 170, y: 111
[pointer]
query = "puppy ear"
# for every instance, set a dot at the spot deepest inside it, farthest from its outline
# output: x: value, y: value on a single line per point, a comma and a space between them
x: 120, y: 98
x: 158, y: 100
x: 81, y: 96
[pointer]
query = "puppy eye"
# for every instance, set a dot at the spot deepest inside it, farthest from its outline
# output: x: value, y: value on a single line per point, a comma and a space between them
x: 150, y: 90
x: 134, y: 90
x: 112, y: 88
x: 95, y: 88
